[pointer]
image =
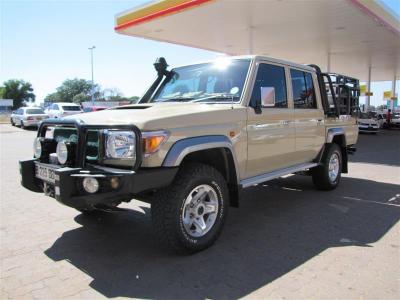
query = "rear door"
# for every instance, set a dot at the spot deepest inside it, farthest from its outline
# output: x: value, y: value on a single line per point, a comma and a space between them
x: 308, y: 115
x: 271, y: 133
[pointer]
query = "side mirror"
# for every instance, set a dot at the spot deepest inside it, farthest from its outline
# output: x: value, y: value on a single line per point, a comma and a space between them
x: 267, y: 96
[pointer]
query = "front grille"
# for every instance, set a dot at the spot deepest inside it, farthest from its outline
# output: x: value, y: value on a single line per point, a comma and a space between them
x: 86, y: 140
x: 68, y: 134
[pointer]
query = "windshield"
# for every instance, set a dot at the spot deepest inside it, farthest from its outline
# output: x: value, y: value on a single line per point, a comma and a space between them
x: 35, y: 111
x: 71, y: 108
x: 220, y: 81
x: 364, y: 116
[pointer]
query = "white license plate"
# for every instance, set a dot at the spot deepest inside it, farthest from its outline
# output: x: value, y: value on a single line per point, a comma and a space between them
x: 45, y: 173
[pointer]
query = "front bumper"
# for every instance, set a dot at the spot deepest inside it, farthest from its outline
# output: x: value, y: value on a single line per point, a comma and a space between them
x: 368, y: 128
x: 68, y: 188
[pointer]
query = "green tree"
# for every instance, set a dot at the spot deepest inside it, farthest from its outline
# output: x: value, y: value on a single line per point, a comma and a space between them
x: 82, y: 97
x: 2, y: 91
x: 17, y: 90
x: 73, y: 87
x: 53, y: 97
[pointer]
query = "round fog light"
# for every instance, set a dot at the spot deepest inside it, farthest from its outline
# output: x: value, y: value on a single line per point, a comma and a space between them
x: 90, y: 184
x: 62, y: 153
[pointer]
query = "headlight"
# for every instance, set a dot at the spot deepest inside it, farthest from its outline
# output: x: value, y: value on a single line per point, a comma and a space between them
x: 37, y: 147
x: 120, y: 145
x: 153, y: 140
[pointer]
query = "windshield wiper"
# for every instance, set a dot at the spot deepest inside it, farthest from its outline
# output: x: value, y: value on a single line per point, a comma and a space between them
x: 217, y: 97
x: 180, y: 99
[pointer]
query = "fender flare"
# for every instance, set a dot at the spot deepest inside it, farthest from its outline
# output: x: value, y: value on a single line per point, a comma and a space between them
x: 183, y: 147
x: 337, y: 131
x: 332, y: 132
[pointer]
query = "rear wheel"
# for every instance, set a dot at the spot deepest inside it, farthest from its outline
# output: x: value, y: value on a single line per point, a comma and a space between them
x: 188, y: 216
x: 327, y: 175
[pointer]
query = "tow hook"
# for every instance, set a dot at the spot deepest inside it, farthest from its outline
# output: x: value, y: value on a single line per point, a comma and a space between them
x: 48, y: 189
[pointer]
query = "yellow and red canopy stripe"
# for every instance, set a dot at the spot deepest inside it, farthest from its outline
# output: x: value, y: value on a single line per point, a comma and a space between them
x: 155, y: 10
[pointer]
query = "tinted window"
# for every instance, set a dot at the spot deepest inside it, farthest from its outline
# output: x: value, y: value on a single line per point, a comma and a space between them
x: 270, y: 76
x: 303, y: 89
x: 34, y: 111
x: 71, y: 108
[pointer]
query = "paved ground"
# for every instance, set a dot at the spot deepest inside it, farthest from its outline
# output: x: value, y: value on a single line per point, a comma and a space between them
x: 286, y: 241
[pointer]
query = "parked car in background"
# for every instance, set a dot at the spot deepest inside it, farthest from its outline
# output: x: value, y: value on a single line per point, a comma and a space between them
x: 366, y: 123
x: 27, y: 117
x: 62, y: 109
x: 94, y: 108
x: 394, y: 120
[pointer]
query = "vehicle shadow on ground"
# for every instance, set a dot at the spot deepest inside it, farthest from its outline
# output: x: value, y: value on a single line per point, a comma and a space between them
x: 279, y: 226
x: 382, y: 148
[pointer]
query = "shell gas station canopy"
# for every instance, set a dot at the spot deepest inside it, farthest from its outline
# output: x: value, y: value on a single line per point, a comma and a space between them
x: 352, y: 37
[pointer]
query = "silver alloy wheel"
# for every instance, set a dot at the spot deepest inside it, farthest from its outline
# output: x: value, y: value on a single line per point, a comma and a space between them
x: 200, y: 210
x: 334, y: 166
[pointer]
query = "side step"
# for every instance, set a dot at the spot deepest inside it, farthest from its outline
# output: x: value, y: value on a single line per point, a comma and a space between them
x: 275, y: 174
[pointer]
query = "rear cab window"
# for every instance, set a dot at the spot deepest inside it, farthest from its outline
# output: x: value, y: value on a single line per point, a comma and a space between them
x: 71, y: 108
x: 34, y: 111
x: 303, y: 90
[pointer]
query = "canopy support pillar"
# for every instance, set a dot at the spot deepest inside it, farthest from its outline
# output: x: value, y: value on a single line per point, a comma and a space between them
x: 368, y: 102
x: 393, y: 93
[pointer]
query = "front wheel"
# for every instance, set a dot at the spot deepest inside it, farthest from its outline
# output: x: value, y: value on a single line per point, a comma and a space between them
x: 188, y: 216
x: 327, y: 175
x: 12, y: 122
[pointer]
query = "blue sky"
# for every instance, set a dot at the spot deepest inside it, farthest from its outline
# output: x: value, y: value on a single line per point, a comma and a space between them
x: 45, y: 42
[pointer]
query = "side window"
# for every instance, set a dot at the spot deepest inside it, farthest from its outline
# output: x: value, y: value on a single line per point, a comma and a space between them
x: 270, y: 76
x: 303, y: 89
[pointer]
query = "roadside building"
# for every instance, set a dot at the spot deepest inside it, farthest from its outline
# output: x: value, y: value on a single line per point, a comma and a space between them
x: 6, y: 105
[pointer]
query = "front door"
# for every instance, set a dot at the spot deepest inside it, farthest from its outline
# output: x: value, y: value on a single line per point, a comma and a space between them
x: 271, y: 132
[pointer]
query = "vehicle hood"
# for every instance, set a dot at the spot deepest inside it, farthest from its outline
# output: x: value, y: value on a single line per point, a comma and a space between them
x: 164, y: 115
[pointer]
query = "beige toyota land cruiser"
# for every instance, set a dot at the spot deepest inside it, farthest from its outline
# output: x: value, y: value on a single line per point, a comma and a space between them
x: 200, y: 134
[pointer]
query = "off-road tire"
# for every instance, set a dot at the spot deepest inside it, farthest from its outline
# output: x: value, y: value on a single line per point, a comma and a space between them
x: 320, y: 174
x: 168, y: 206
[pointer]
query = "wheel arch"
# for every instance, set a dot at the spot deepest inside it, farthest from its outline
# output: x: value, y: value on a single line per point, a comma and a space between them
x: 216, y: 151
x: 338, y: 136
